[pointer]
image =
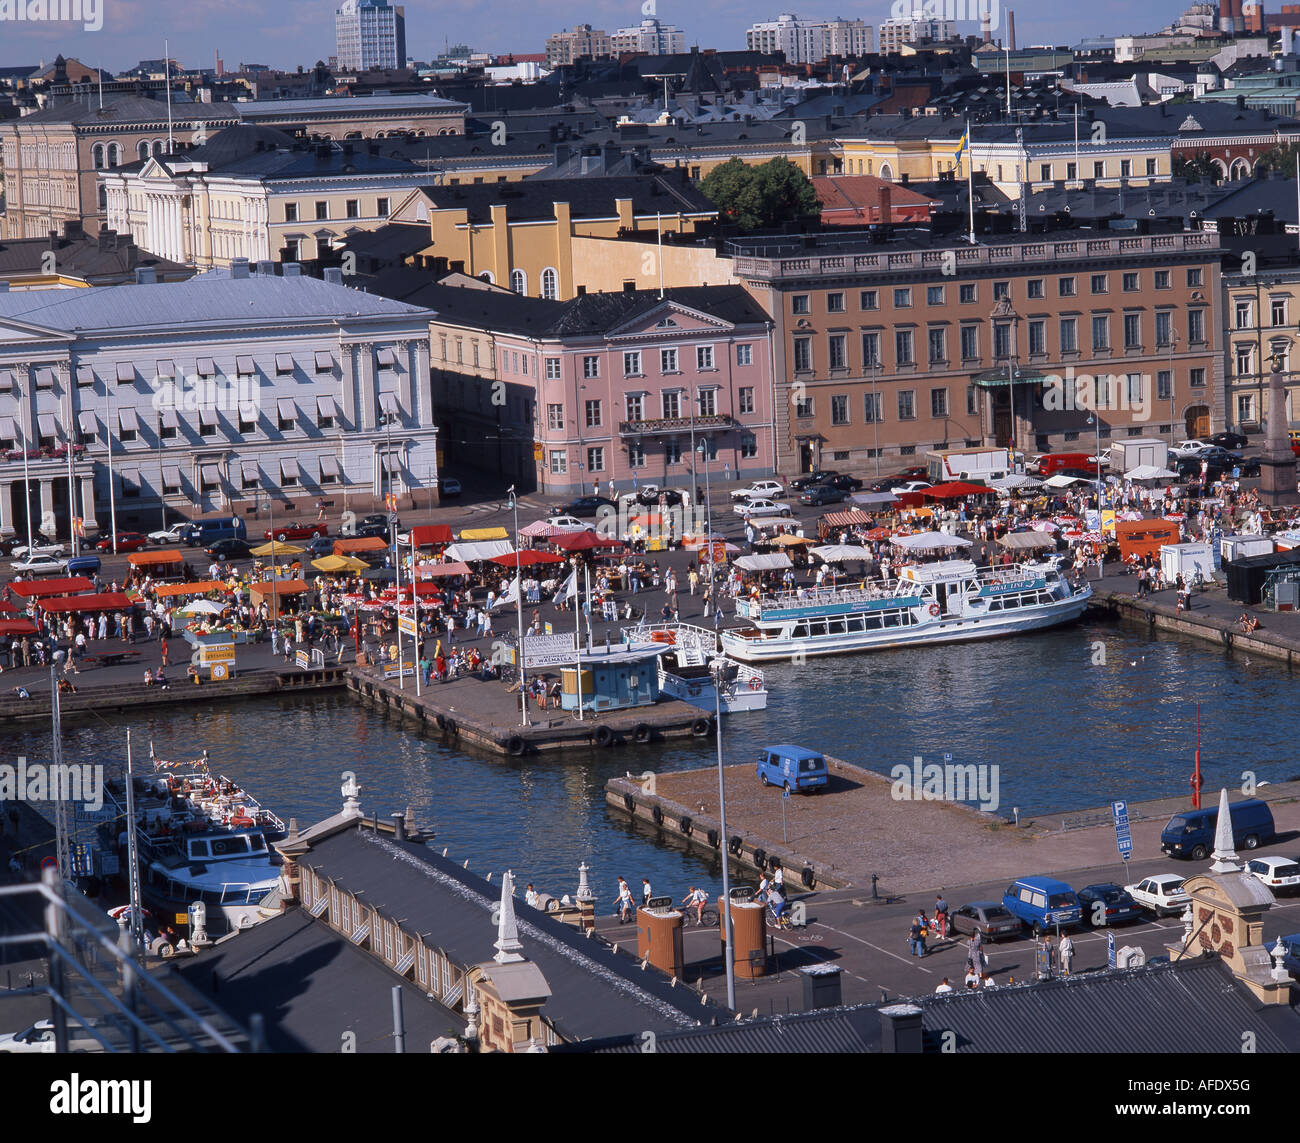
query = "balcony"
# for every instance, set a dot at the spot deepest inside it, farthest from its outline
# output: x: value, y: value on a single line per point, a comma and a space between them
x: 673, y: 426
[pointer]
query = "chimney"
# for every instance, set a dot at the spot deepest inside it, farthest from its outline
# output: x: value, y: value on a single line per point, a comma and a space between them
x: 1011, y: 29
x: 886, y: 203
x: 291, y: 270
x: 900, y: 1030
x: 239, y: 268
x: 146, y: 276
x: 265, y: 269
x: 334, y: 275
x: 562, y: 153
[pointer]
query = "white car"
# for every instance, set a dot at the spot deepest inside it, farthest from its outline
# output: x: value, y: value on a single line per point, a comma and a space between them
x: 761, y: 507
x: 571, y: 522
x: 759, y: 490
x: 40, y: 565
x: 911, y: 486
x: 38, y: 548
x: 167, y: 536
x: 1278, y: 873
x: 40, y: 1038
x: 1193, y: 448
x: 1162, y: 893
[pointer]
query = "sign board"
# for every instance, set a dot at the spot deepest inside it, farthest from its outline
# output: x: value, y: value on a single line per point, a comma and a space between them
x: 660, y: 903
x: 392, y: 672
x: 548, y: 628
x: 49, y: 863
x: 1108, y: 522
x: 83, y: 859
x: 537, y: 452
x: 301, y: 658
x: 219, y: 672
x: 182, y: 919
x: 210, y: 653
x: 548, y: 651
x: 84, y: 814
x: 406, y: 625
x: 108, y: 864
x: 1110, y: 950
x: 1123, y: 837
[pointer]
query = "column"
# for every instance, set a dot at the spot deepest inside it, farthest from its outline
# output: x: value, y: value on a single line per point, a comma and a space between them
x: 7, y: 508
x: 47, y: 506
x: 367, y: 400
x: 88, y: 503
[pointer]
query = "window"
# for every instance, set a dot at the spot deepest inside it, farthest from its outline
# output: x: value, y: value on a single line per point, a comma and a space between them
x: 1037, y: 337
x: 519, y: 281
x: 748, y: 446
x: 1245, y: 408
x: 966, y: 292
x: 1164, y: 327
x: 1002, y: 339
x: 1065, y: 287
x: 708, y: 402
x: 291, y: 212
x: 591, y: 365
x: 1130, y: 283
x: 247, y: 420
x: 938, y: 346
x: 1134, y: 392
x: 1071, y: 171
x: 1151, y: 166
x: 352, y: 208
x: 802, y: 354
x: 1196, y: 378
x: 1160, y: 279
x: 555, y: 417
x: 1069, y: 335
x: 673, y: 452
x: 1100, y: 332
x: 207, y: 422
x: 835, y: 303
x: 1164, y: 385
x: 636, y: 455
x: 970, y: 342
x: 800, y: 304
x: 670, y: 402
x: 1277, y: 311
x: 934, y: 295
x: 559, y: 461
x: 286, y: 414
x: 167, y: 426
x: 744, y: 354
x: 938, y: 403
x: 1100, y: 284
x: 873, y: 408
x: 835, y: 352
x: 972, y: 401
x: 1001, y: 291
x: 550, y: 284
x: 839, y: 409
x: 903, y: 298
x: 907, y: 405
x: 668, y: 361
x: 869, y: 300
x: 1035, y: 288
x: 903, y: 346
x: 803, y: 407
x: 1125, y: 168
x: 596, y: 459
x: 704, y: 357
x: 1132, y: 331
x: 325, y: 413
x: 635, y: 405
x: 870, y: 349
x: 552, y: 368
x: 324, y: 362
x: 1245, y: 355
x: 1099, y: 169
x: 381, y: 207
x: 1195, y: 276
x: 1196, y: 326
x: 1241, y: 314
x: 1044, y: 172
x: 632, y: 363
x: 593, y: 414
x: 322, y: 211
x: 745, y: 400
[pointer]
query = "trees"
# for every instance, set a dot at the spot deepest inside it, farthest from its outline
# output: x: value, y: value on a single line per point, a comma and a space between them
x: 763, y: 197
x: 1197, y: 167
x: 1281, y: 159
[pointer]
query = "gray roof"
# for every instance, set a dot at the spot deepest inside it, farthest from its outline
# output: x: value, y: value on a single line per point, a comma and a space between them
x: 129, y: 109
x: 212, y: 299
x: 332, y: 104
x: 595, y: 992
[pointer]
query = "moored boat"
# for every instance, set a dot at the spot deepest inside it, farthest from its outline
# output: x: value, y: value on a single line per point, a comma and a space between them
x: 684, y: 671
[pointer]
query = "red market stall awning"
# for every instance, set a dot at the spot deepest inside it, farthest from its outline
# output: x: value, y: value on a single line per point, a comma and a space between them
x: 583, y: 542
x: 343, y: 547
x: 850, y: 519
x: 526, y: 559
x: 104, y: 601
x: 17, y: 627
x: 954, y: 490
x: 45, y: 588
x: 428, y: 534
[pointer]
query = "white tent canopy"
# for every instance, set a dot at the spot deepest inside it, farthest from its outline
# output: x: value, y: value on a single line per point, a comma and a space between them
x: 1150, y: 472
x: 1059, y: 481
x: 873, y: 498
x: 839, y: 553
x: 478, y: 550
x: 1014, y: 480
x: 772, y: 561
x: 929, y: 542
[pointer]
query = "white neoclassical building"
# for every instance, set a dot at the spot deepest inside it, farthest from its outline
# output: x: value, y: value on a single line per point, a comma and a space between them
x: 209, y: 396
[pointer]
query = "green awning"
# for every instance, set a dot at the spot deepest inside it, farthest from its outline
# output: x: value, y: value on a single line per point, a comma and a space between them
x: 997, y: 378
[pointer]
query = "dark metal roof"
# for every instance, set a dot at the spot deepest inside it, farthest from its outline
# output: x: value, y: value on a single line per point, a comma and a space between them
x: 587, y: 198
x: 594, y: 991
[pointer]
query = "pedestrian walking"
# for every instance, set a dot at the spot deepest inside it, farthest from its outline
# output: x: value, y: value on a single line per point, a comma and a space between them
x: 916, y: 937
x: 624, y: 901
x: 1067, y: 953
x: 162, y: 647
x: 645, y: 881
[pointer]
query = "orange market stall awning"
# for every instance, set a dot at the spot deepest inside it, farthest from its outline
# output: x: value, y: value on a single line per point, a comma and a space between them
x: 428, y: 534
x: 280, y: 587
x: 168, y: 590
x: 155, y: 559
x: 359, y: 544
x: 850, y: 519
x: 104, y: 601
x: 441, y: 571
x: 45, y: 588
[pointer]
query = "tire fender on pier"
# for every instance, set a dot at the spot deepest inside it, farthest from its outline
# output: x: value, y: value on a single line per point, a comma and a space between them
x: 808, y: 878
x: 641, y: 733
x: 514, y: 745
x: 700, y: 727
x: 657, y: 814
x: 603, y: 736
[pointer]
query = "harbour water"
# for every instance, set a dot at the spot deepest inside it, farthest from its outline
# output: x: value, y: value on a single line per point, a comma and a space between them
x: 1071, y: 718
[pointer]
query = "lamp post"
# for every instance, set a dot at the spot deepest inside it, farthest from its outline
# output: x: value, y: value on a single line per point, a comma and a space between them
x: 708, y: 525
x: 1004, y: 311
x: 875, y: 409
x: 718, y: 667
x: 1173, y: 341
x: 1094, y: 418
x: 519, y: 612
x: 112, y: 491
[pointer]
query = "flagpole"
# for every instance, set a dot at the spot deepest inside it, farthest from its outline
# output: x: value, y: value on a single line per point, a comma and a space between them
x: 970, y: 181
x: 519, y: 615
x: 577, y: 637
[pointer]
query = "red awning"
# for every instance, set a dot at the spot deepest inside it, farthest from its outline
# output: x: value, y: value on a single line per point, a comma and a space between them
x: 17, y: 627
x: 104, y: 601
x: 954, y: 490
x: 851, y: 519
x: 438, y: 571
x: 526, y: 559
x: 44, y: 588
x: 428, y: 534
x: 583, y: 542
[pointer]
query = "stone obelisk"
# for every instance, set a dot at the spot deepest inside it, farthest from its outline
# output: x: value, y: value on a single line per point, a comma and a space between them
x: 1278, y: 464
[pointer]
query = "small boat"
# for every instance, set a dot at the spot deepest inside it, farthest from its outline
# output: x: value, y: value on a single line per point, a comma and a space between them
x: 945, y: 602
x: 684, y: 671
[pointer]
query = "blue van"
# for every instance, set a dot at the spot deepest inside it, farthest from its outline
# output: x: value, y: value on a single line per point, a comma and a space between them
x: 797, y: 769
x: 1191, y: 833
x: 201, y: 533
x: 84, y: 565
x: 1042, y: 902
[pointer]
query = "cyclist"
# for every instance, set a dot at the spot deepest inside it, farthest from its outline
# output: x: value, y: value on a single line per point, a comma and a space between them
x: 776, y: 902
x: 695, y: 899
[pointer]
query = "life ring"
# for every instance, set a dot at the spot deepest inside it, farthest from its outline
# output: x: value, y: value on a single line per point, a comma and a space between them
x: 686, y: 825
x: 733, y: 846
x: 242, y: 821
x: 603, y: 736
x: 641, y: 733
x: 934, y: 609
x: 755, y: 684
x: 807, y: 877
x: 714, y: 837
x: 657, y: 814
x: 700, y: 727
x: 662, y: 637
x: 514, y: 745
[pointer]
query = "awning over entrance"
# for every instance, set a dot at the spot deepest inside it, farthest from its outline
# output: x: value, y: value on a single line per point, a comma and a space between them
x: 997, y: 378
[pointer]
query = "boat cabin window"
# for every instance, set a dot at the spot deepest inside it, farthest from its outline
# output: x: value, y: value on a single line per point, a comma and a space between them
x: 198, y: 849
x: 257, y: 841
x: 800, y: 631
x: 817, y: 627
x: 856, y: 623
x: 226, y: 846
x: 835, y: 626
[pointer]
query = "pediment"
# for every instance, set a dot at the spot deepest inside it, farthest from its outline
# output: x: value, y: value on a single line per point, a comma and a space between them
x: 14, y: 330
x: 669, y: 317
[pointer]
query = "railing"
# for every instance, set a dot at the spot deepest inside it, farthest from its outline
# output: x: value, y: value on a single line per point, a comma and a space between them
x: 673, y: 425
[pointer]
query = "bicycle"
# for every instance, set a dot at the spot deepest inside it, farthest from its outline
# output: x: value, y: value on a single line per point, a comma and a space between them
x: 707, y: 919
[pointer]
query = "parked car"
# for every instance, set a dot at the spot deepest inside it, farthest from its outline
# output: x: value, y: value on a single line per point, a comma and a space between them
x: 295, y: 530
x: 229, y: 549
x: 1107, y: 904
x: 1042, y: 902
x: 1281, y: 874
x: 762, y: 508
x: 910, y: 486
x: 1228, y: 440
x: 1190, y: 448
x: 321, y: 547
x: 40, y: 565
x: 819, y: 494
x: 372, y: 529
x: 385, y: 519
x: 448, y: 487
x: 842, y: 482
x: 40, y: 1038
x: 1162, y: 893
x: 799, y: 483
x: 167, y: 536
x: 759, y: 490
x: 590, y: 506
x: 650, y: 496
x: 569, y: 522
x: 799, y: 770
x: 38, y: 548
x: 83, y: 565
x: 126, y: 542
x: 988, y: 918
x: 1191, y: 833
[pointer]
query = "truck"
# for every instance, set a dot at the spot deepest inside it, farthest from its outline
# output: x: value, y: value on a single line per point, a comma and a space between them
x: 1126, y: 455
x: 978, y: 465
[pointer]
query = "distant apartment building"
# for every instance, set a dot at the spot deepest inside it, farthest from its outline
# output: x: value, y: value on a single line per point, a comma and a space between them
x: 900, y: 30
x: 565, y: 47
x: 370, y: 34
x: 649, y: 37
x: 810, y: 41
x: 1259, y: 318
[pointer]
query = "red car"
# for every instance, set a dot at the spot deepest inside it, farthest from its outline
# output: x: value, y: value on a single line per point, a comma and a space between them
x: 295, y: 532
x: 126, y: 542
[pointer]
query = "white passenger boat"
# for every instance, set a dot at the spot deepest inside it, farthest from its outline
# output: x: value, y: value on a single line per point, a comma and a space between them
x: 684, y: 671
x: 947, y: 602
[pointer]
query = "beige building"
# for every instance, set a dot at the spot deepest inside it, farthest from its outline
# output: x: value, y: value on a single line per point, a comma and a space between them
x: 565, y: 47
x: 1260, y: 314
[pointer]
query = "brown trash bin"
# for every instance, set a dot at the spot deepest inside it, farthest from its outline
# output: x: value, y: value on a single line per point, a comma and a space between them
x: 659, y: 936
x: 750, y: 921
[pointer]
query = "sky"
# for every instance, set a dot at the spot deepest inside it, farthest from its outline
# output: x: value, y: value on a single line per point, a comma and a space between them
x: 286, y: 33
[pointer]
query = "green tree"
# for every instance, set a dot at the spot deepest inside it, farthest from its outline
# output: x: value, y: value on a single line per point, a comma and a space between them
x: 1281, y: 159
x: 1197, y: 167
x: 757, y: 198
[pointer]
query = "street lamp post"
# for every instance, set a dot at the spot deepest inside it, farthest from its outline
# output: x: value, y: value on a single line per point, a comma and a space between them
x: 718, y: 667
x: 1173, y: 340
x: 1094, y: 418
x: 708, y: 525
x: 1004, y: 311
x: 519, y: 613
x: 875, y: 409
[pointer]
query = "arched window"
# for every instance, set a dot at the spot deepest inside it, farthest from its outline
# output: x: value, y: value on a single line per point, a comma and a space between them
x: 114, y: 155
x: 549, y: 284
x: 487, y: 277
x: 142, y: 150
x: 97, y: 156
x: 886, y: 171
x: 519, y: 281
x: 158, y: 147
x: 103, y: 198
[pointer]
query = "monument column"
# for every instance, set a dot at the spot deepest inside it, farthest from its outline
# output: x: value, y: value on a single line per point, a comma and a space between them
x: 1278, y: 464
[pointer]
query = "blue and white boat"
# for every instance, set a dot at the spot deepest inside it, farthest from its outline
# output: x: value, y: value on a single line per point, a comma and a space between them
x: 947, y: 602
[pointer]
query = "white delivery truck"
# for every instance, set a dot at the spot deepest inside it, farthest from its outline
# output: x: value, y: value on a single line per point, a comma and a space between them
x: 1139, y: 452
x: 976, y: 465
x: 1187, y: 560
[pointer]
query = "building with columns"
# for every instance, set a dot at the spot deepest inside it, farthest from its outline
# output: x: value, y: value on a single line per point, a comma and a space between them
x: 209, y: 397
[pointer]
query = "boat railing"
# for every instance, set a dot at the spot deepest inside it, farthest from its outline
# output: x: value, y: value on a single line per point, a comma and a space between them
x: 820, y: 597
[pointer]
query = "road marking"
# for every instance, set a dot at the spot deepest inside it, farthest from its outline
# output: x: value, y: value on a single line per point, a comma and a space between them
x: 833, y: 929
